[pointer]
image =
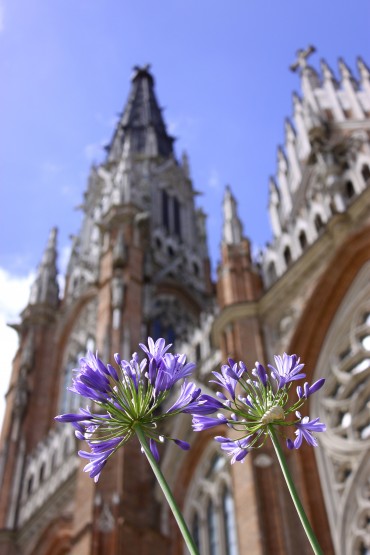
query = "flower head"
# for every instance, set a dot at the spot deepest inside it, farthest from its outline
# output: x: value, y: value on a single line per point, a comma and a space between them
x: 305, y: 427
x: 130, y: 396
x: 287, y: 369
x: 263, y: 401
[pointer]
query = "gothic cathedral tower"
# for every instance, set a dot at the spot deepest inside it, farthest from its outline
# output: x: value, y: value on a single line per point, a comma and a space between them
x: 138, y: 267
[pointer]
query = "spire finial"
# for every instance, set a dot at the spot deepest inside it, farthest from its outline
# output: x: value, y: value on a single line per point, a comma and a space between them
x: 232, y: 226
x: 45, y: 288
x: 301, y: 61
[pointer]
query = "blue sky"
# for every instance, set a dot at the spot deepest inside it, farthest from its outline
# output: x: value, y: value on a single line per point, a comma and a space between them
x: 221, y: 71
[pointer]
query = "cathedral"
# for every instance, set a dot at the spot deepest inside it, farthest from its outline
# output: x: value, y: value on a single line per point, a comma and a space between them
x: 139, y: 267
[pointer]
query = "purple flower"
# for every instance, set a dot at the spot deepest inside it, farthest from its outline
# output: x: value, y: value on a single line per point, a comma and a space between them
x: 172, y: 369
x: 130, y: 398
x: 287, y: 369
x: 188, y: 394
x: 205, y: 404
x: 308, y: 390
x: 204, y: 422
x: 182, y: 444
x: 100, y: 452
x: 155, y: 350
x: 229, y: 377
x: 72, y: 417
x: 154, y: 449
x: 304, y: 430
x: 260, y: 372
x: 236, y: 449
x: 259, y: 406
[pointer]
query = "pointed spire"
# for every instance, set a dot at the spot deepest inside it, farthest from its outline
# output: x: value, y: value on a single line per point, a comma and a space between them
x: 300, y: 126
x: 364, y: 76
x: 328, y: 73
x: 232, y: 226
x: 141, y: 129
x: 292, y: 155
x: 45, y: 288
x: 350, y: 86
x: 282, y: 171
x: 331, y: 87
x: 289, y: 130
x: 274, y: 202
x: 363, y: 69
x: 185, y: 164
x: 345, y: 70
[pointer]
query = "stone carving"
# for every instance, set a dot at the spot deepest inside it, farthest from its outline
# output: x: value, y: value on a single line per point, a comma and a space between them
x: 344, y: 405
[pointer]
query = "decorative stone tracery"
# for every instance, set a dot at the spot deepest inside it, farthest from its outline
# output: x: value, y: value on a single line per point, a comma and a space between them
x: 344, y: 404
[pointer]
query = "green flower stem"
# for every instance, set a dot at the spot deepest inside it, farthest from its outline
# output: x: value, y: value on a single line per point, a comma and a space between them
x: 294, y: 494
x: 167, y: 493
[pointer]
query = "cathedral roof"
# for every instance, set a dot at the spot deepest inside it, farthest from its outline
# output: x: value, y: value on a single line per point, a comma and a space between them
x: 141, y: 128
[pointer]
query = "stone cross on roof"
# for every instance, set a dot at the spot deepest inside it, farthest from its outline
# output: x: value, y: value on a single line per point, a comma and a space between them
x: 302, y: 56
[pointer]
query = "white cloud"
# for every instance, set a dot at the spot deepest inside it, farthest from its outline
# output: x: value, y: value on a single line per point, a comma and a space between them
x: 14, y: 294
x: 214, y: 181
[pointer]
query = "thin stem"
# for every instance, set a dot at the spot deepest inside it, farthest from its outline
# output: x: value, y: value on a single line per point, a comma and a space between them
x: 167, y: 493
x: 294, y: 494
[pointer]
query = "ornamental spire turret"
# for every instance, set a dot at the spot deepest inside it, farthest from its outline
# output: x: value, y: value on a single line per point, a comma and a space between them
x: 364, y: 75
x: 232, y: 227
x: 45, y: 288
x: 141, y: 128
x: 331, y: 86
x: 350, y: 86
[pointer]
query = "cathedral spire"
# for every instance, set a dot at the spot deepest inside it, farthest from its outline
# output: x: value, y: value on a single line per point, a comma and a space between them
x: 141, y: 129
x: 364, y: 75
x: 45, y: 288
x: 232, y: 226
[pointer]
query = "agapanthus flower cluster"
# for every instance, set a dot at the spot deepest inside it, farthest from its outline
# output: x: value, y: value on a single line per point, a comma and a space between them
x: 252, y: 402
x: 131, y: 395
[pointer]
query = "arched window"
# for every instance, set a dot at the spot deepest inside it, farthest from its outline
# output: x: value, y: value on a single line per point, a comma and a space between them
x: 302, y: 240
x: 365, y: 172
x: 287, y: 256
x: 343, y: 404
x: 271, y: 273
x: 319, y: 224
x: 350, y: 190
x: 209, y: 506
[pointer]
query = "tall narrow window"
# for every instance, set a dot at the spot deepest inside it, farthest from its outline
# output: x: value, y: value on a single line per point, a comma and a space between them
x: 177, y: 217
x: 213, y: 540
x: 229, y: 523
x: 209, y: 507
x: 165, y: 210
x: 195, y: 531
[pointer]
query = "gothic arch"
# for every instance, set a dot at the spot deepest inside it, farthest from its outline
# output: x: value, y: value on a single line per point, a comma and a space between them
x: 73, y: 318
x: 319, y: 320
x: 56, y: 539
